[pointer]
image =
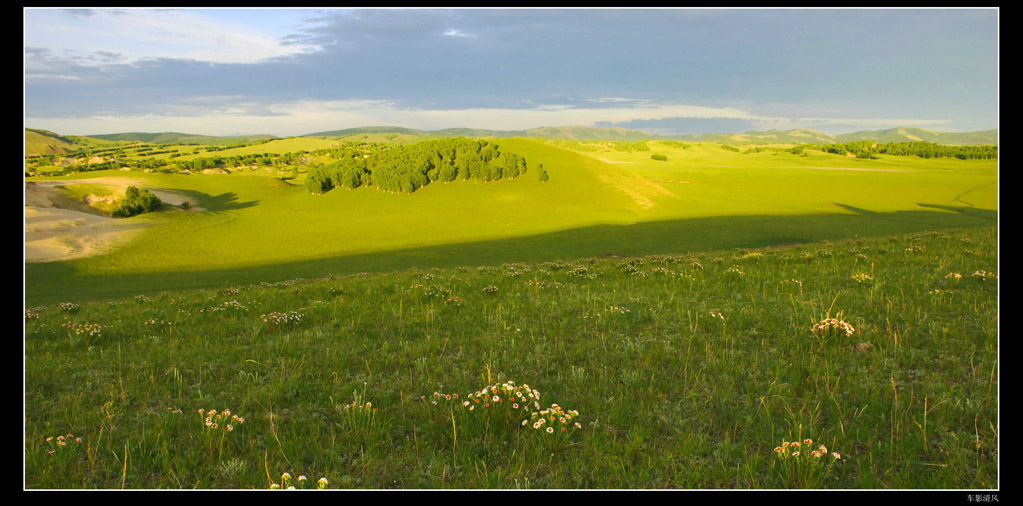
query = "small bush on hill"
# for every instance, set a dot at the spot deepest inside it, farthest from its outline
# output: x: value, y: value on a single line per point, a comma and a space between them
x: 136, y: 202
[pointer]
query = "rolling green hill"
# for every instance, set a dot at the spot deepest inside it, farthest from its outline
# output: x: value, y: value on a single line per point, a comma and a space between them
x: 180, y: 138
x: 703, y: 197
x: 909, y: 134
x: 566, y: 133
x: 582, y: 133
x: 45, y: 142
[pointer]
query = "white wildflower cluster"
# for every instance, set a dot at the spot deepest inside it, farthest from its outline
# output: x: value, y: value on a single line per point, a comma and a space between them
x: 542, y: 283
x: 862, y: 277
x: 70, y: 307
x: 553, y: 417
x: 61, y: 442
x: 793, y: 450
x: 833, y: 325
x: 277, y: 318
x: 222, y: 420
x: 983, y: 275
x: 90, y: 329
x: 286, y: 483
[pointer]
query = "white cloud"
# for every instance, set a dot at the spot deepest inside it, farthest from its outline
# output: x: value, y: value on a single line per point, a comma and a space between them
x: 136, y: 34
x: 458, y: 33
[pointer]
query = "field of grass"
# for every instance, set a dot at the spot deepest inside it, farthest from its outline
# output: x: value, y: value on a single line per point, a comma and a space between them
x: 703, y: 198
x: 682, y: 371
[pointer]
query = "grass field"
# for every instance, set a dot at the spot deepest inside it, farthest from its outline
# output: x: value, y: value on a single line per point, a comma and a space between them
x: 671, y: 316
x: 682, y: 371
x: 258, y: 228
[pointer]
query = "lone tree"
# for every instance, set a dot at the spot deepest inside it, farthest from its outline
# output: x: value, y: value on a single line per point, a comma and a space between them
x: 136, y: 202
x: 541, y: 174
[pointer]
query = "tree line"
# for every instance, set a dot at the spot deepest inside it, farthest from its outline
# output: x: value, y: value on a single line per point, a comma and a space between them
x: 406, y: 168
x: 870, y: 149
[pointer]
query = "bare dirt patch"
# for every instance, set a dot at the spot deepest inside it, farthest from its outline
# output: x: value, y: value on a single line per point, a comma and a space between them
x: 60, y: 228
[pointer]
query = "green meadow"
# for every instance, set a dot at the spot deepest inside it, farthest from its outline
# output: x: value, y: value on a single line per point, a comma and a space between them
x: 255, y: 227
x: 712, y: 318
x: 694, y: 371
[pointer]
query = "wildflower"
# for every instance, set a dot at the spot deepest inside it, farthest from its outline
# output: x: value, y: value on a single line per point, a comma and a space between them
x: 578, y: 426
x: 302, y: 478
x: 274, y: 486
x: 836, y: 455
x: 816, y: 454
x: 524, y: 422
x: 229, y: 427
x: 550, y: 430
x: 795, y: 454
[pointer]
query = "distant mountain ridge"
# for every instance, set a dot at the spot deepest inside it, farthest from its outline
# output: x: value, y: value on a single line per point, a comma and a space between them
x: 39, y: 141
x: 795, y: 136
x: 179, y: 138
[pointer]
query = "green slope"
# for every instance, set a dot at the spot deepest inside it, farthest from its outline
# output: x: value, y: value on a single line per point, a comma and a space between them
x: 911, y: 134
x: 178, y: 138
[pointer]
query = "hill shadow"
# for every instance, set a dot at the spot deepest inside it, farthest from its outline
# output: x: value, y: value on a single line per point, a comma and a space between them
x: 216, y: 203
x: 971, y: 211
x: 47, y: 281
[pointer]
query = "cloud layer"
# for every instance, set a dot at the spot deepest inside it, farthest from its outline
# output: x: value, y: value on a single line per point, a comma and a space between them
x: 292, y: 72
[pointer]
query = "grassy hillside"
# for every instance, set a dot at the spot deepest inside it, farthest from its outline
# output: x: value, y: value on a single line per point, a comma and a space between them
x: 45, y: 142
x: 179, y: 138
x: 581, y: 133
x: 681, y: 371
x: 702, y: 198
x: 568, y: 132
x: 908, y: 134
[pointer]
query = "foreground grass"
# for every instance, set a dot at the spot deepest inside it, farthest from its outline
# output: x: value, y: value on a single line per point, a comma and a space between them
x: 686, y: 371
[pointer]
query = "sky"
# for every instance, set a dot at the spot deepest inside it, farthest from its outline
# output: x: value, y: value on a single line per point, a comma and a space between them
x: 289, y: 72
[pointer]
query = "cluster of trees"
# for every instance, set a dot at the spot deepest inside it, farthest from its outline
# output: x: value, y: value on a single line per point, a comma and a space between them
x: 630, y: 146
x: 406, y: 168
x: 677, y: 144
x: 869, y: 149
x: 135, y: 202
x: 659, y: 157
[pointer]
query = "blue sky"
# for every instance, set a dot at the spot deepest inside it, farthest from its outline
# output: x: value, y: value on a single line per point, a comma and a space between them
x: 663, y: 71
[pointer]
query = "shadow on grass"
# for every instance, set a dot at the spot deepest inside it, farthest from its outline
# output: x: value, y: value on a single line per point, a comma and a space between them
x: 216, y: 203
x: 58, y: 281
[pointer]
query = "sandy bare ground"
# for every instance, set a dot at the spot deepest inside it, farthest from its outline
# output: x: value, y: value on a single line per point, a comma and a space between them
x: 53, y: 232
x: 605, y: 160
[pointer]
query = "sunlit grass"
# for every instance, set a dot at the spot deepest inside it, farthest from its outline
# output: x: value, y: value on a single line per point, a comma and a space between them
x: 681, y: 371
